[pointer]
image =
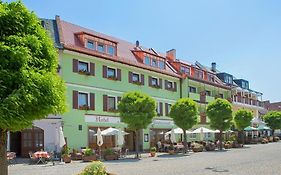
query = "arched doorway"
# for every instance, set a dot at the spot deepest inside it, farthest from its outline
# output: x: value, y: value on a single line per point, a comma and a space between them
x: 31, y: 139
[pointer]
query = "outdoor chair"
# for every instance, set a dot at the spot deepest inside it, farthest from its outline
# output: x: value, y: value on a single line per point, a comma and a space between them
x: 123, y: 152
x: 33, y: 159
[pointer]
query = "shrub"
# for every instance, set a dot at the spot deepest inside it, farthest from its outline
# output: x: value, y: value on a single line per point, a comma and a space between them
x: 109, y: 151
x: 65, y: 151
x: 88, y: 152
x: 95, y: 168
x: 153, y: 149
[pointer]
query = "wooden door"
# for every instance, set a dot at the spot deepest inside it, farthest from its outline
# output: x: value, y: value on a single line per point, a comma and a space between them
x: 32, y: 139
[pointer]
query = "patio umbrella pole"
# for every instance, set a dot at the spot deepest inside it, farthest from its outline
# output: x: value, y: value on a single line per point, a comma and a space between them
x: 100, y: 152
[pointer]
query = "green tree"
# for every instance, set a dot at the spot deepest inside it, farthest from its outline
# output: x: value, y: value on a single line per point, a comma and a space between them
x: 273, y: 120
x: 220, y: 115
x: 242, y: 119
x: 30, y: 88
x: 137, y: 110
x: 184, y: 113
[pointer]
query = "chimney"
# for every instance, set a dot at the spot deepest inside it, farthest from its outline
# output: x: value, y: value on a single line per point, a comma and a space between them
x: 214, y: 67
x: 137, y: 43
x: 171, y: 54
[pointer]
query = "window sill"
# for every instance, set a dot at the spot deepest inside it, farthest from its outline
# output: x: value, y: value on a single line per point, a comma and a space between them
x: 137, y: 83
x: 84, y: 73
x: 155, y: 86
x: 84, y: 107
x: 112, y: 78
x: 113, y: 110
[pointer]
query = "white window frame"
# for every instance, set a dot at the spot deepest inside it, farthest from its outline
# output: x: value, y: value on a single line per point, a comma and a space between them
x: 104, y: 45
x: 94, y: 42
x: 111, y: 68
x: 190, y: 91
x: 158, y: 108
x: 210, y: 93
x: 138, y: 75
x: 88, y: 96
x: 173, y: 84
x: 157, y: 81
x: 115, y: 101
x: 88, y: 63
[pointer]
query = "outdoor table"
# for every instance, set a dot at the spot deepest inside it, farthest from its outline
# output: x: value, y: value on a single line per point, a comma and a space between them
x: 41, y: 155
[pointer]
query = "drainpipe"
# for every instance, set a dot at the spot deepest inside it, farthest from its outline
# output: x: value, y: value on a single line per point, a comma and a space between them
x: 181, y: 80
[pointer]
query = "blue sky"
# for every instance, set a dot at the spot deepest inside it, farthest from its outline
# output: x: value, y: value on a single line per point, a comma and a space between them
x: 242, y: 37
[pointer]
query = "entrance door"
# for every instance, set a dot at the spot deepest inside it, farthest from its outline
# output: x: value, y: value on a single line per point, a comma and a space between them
x: 32, y: 139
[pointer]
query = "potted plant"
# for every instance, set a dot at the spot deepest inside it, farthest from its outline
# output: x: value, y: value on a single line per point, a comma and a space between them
x: 276, y: 139
x: 228, y: 145
x: 65, y: 154
x: 171, y: 149
x: 89, y: 156
x: 196, y: 147
x: 153, y: 151
x: 109, y: 154
x: 210, y: 146
x: 75, y: 155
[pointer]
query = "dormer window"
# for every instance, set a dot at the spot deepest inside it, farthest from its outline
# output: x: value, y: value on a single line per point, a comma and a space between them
x: 161, y: 64
x: 147, y: 60
x: 211, y: 78
x: 110, y: 50
x: 91, y: 45
x: 185, y: 70
x: 199, y: 74
x: 154, y: 63
x: 101, y: 47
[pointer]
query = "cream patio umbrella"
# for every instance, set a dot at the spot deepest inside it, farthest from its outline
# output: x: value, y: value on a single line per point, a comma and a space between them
x: 120, y: 138
x: 99, y: 140
x: 173, y: 136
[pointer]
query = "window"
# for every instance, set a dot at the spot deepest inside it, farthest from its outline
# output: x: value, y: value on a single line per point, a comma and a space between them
x: 169, y: 85
x: 154, y: 81
x: 192, y: 89
x: 158, y: 108
x: 199, y: 74
x: 111, y: 73
x: 208, y: 93
x: 101, y: 47
x: 83, y: 66
x: 91, y: 45
x: 161, y: 65
x: 135, y: 77
x: 169, y: 108
x: 82, y: 99
x: 221, y: 95
x: 154, y: 63
x: 111, y: 103
x: 147, y: 60
x: 207, y: 135
x: 211, y: 78
x: 110, y: 50
x: 185, y: 70
x: 228, y: 79
x: 193, y: 135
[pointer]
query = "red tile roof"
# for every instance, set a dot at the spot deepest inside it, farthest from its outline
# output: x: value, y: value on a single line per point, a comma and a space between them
x: 124, y: 48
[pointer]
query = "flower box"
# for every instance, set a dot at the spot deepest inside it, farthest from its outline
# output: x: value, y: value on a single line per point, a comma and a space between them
x: 84, y: 72
x: 84, y: 107
x: 89, y: 158
x: 66, y: 158
x: 137, y: 82
x: 112, y: 78
x: 111, y: 157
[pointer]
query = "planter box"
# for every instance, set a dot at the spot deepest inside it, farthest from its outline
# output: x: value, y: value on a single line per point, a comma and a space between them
x: 66, y: 159
x: 111, y: 157
x: 197, y: 149
x: 77, y: 156
x: 171, y: 151
x: 227, y: 146
x: 89, y: 158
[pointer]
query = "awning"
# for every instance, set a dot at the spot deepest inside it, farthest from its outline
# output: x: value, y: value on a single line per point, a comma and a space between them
x: 204, y: 130
x: 250, y: 128
x: 263, y: 128
x: 178, y: 131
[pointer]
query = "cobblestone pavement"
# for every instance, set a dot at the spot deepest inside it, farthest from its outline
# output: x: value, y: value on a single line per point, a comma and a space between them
x: 252, y: 160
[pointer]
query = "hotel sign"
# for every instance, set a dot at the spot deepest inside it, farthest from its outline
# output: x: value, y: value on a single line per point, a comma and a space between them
x: 101, y: 119
x: 163, y: 122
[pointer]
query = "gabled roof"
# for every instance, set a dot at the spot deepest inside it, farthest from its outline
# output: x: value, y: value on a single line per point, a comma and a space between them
x: 124, y: 48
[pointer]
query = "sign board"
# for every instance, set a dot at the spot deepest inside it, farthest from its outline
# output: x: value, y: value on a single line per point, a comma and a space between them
x: 163, y: 122
x: 102, y: 119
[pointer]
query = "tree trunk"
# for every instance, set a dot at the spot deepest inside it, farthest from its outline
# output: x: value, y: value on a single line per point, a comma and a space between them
x: 137, y: 143
x: 185, y: 142
x: 242, y: 137
x: 3, y: 153
x: 273, y: 133
x: 220, y: 139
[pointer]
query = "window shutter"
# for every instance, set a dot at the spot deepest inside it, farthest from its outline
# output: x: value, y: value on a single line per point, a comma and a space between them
x: 104, y: 71
x: 92, y: 68
x: 119, y: 74
x: 166, y: 84
x: 175, y: 86
x: 149, y: 81
x: 142, y: 79
x: 161, y: 108
x: 75, y: 99
x: 130, y: 76
x: 166, y: 109
x: 92, y: 101
x: 75, y: 65
x: 104, y: 102
x: 160, y: 83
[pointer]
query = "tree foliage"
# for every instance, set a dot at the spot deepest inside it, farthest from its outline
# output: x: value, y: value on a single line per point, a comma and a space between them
x: 29, y: 85
x: 273, y: 119
x: 137, y: 110
x: 242, y: 119
x: 220, y: 114
x: 184, y: 113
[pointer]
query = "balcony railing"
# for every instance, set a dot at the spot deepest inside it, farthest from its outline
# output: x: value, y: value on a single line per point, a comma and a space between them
x: 248, y: 101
